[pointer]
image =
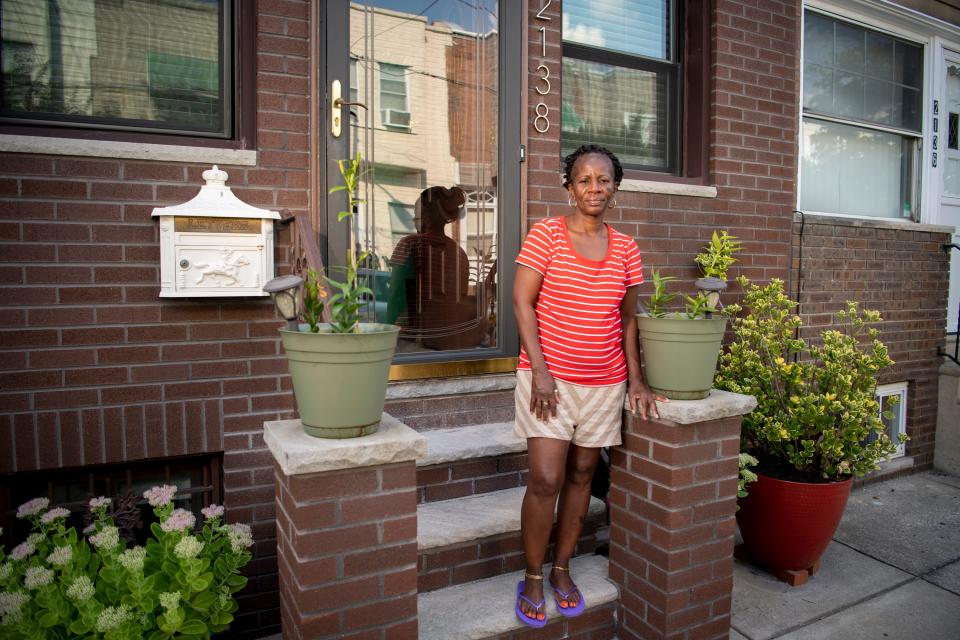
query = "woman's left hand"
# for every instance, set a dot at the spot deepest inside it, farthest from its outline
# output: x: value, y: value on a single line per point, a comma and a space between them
x: 642, y: 398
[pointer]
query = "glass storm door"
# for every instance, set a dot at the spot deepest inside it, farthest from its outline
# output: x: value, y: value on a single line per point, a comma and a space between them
x: 420, y: 90
x: 949, y: 214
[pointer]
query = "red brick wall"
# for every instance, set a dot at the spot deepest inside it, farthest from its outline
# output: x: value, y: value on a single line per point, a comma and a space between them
x: 672, y: 524
x: 753, y: 146
x: 94, y: 367
x: 902, y: 273
x: 348, y: 552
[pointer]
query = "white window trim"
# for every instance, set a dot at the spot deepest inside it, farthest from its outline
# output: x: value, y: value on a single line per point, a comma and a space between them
x: 10, y: 143
x: 875, y: 222
x: 885, y: 17
x: 668, y: 188
x: 893, y: 389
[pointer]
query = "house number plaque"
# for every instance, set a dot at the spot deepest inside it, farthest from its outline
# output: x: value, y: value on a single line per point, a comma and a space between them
x: 541, y: 121
x: 217, y: 225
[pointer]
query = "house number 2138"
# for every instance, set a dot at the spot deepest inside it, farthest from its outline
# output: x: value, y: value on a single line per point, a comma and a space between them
x: 541, y: 121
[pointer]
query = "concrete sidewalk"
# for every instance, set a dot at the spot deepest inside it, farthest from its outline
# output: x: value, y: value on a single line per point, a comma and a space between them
x: 891, y: 572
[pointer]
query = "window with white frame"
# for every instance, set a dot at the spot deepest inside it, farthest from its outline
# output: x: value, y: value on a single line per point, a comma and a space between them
x: 394, y: 112
x: 862, y: 115
x: 893, y: 411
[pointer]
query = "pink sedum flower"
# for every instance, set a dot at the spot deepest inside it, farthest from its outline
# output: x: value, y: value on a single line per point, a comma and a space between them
x: 107, y: 538
x: 32, y: 507
x: 60, y: 556
x: 100, y: 502
x: 23, y: 550
x: 179, y: 520
x: 54, y: 514
x: 213, y: 511
x: 160, y: 496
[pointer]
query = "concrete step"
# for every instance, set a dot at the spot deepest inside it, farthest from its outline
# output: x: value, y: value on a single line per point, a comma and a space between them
x: 470, y: 460
x: 474, y: 441
x: 450, y: 522
x: 485, y: 608
x: 479, y: 536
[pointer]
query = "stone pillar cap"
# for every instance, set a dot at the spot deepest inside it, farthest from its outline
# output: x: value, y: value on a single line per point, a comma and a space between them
x: 717, y: 406
x: 297, y: 453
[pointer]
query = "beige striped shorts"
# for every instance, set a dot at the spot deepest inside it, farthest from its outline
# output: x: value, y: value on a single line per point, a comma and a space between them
x: 586, y: 416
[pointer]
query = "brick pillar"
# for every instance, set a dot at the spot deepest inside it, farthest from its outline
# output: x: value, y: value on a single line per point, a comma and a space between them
x: 672, y: 503
x: 346, y: 531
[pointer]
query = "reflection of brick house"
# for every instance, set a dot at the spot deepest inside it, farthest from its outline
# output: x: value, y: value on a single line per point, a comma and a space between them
x: 102, y: 383
x: 472, y: 101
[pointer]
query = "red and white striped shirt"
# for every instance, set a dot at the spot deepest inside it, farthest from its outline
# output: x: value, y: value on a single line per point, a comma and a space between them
x: 578, y: 310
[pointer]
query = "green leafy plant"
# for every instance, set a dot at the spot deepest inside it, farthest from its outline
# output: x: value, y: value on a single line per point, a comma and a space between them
x: 660, y: 298
x: 698, y: 306
x: 714, y: 260
x: 717, y: 257
x: 60, y: 584
x: 745, y: 462
x: 817, y: 417
x: 347, y: 303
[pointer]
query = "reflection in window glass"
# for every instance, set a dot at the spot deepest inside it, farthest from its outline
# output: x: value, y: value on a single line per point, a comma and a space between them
x: 856, y: 73
x: 401, y: 220
x: 638, y: 27
x: 953, y: 124
x: 621, y: 109
x: 866, y: 165
x: 893, y: 411
x: 393, y: 96
x: 850, y: 170
x: 138, y: 63
x: 430, y: 214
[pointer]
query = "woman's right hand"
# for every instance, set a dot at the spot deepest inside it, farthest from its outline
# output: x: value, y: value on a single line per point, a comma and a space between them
x: 544, y: 396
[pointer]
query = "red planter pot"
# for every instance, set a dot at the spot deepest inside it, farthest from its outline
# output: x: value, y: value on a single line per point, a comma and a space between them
x: 788, y: 525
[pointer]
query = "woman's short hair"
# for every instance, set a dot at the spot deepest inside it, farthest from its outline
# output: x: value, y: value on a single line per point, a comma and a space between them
x: 587, y: 149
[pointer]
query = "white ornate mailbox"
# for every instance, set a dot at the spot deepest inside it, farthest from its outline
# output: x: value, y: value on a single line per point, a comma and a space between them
x: 215, y: 245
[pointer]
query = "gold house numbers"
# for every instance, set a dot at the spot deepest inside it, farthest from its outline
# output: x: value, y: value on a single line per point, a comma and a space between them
x: 542, y: 120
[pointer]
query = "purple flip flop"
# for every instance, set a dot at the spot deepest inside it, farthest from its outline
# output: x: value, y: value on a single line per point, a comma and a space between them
x: 569, y: 612
x: 527, y: 620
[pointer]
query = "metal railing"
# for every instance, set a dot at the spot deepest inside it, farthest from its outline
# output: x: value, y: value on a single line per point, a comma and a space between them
x: 955, y: 356
x: 307, y: 254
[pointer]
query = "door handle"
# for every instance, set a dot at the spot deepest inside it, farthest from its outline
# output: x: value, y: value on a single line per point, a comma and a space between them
x: 337, y: 103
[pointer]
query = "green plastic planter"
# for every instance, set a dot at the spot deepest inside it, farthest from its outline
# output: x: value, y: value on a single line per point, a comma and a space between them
x: 340, y: 379
x: 680, y: 354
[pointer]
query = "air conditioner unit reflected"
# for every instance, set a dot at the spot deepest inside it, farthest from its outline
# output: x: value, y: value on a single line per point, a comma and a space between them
x: 395, y: 118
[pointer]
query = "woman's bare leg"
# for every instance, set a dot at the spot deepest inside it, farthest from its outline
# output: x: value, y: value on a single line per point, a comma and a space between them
x: 546, y: 460
x: 572, y: 511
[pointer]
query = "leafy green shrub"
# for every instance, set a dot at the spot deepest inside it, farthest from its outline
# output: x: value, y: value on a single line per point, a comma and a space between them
x: 817, y: 417
x: 60, y: 584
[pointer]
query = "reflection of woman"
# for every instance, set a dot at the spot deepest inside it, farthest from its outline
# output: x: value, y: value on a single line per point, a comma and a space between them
x: 432, y: 278
x: 574, y: 297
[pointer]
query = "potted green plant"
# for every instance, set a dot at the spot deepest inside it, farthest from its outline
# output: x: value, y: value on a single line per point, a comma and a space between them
x: 680, y: 348
x: 817, y: 424
x: 340, y: 368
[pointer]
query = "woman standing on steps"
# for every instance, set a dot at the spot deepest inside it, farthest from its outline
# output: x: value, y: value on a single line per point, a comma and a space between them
x: 574, y: 296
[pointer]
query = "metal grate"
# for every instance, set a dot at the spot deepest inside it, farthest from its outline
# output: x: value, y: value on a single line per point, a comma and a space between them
x: 199, y: 482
